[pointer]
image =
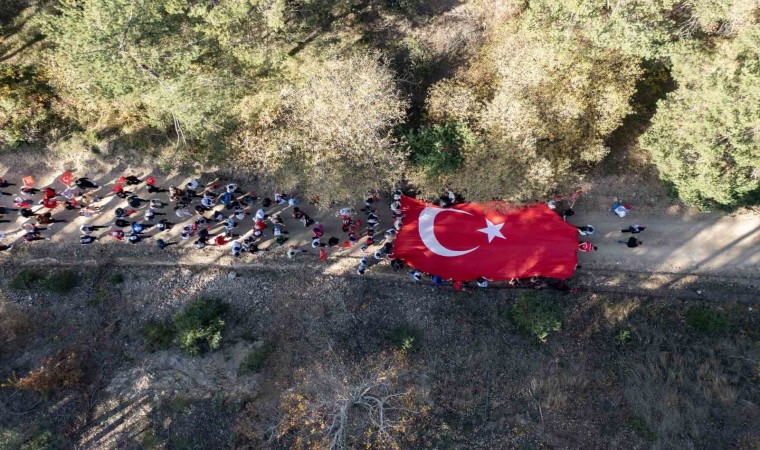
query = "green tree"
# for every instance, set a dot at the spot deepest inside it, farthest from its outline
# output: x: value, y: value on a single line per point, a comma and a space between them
x: 26, y: 105
x: 705, y: 137
x: 435, y: 153
x: 172, y: 63
x: 645, y: 29
x: 329, y: 131
x: 547, y: 105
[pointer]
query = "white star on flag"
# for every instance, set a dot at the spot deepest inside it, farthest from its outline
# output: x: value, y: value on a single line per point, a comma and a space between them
x: 492, y: 230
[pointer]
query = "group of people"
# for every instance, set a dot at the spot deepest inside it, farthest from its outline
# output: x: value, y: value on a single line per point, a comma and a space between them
x: 212, y: 213
x: 618, y: 208
x: 209, y: 214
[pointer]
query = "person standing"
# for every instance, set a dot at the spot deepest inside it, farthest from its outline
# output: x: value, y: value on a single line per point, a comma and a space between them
x: 634, y: 229
x: 632, y: 242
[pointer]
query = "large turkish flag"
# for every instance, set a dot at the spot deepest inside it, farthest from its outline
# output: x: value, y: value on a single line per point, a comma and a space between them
x: 492, y: 240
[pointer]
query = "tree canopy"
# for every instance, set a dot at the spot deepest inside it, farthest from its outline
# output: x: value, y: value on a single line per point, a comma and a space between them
x: 339, y: 98
x: 705, y: 137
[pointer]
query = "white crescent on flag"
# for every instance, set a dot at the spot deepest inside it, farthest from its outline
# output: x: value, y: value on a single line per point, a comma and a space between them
x: 427, y: 232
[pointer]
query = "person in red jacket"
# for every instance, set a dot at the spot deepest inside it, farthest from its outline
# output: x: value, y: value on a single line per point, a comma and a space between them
x: 50, y: 203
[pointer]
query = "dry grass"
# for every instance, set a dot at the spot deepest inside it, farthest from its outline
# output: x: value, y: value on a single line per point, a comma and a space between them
x: 14, y: 321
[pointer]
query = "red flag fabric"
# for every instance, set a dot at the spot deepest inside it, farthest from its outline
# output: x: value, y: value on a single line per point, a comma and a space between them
x: 494, y: 241
x: 28, y: 181
x: 67, y: 178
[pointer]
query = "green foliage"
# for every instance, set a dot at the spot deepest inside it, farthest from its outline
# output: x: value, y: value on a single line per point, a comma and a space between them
x: 254, y: 361
x: 25, y: 105
x: 623, y: 337
x: 640, y: 427
x: 26, y: 279
x: 10, y: 439
x: 704, y: 138
x: 536, y: 315
x: 199, y: 327
x: 705, y: 319
x: 116, y: 278
x: 60, y: 282
x: 406, y: 6
x: 437, y: 149
x: 158, y: 335
x: 330, y: 131
x: 43, y: 441
x: 172, y: 64
x: 543, y: 103
x: 405, y: 339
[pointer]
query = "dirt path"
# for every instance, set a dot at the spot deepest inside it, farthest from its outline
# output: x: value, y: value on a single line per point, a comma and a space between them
x: 676, y: 243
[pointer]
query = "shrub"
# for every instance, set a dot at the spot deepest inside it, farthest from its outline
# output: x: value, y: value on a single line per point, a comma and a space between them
x: 10, y: 438
x: 158, y: 335
x: 63, y: 370
x: 705, y: 319
x: 406, y: 6
x: 640, y: 427
x: 406, y: 340
x: 60, y: 282
x: 25, y: 279
x: 44, y: 440
x: 116, y: 278
x: 623, y: 337
x: 254, y: 361
x: 536, y: 315
x: 437, y: 149
x: 199, y: 327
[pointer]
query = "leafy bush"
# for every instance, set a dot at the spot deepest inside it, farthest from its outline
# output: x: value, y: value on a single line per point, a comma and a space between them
x: 536, y: 315
x: 254, y: 361
x: 60, y: 282
x: 158, y: 335
x: 406, y: 340
x: 703, y: 137
x: 436, y: 149
x: 623, y: 337
x: 199, y: 327
x: 26, y: 279
x: 705, y: 319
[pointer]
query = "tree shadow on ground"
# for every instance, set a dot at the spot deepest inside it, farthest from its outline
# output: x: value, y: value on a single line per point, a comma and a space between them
x: 654, y: 84
x: 9, y: 10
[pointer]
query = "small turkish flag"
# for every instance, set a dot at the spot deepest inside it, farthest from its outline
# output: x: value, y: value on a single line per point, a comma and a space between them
x: 494, y: 241
x: 67, y: 178
x: 28, y: 181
